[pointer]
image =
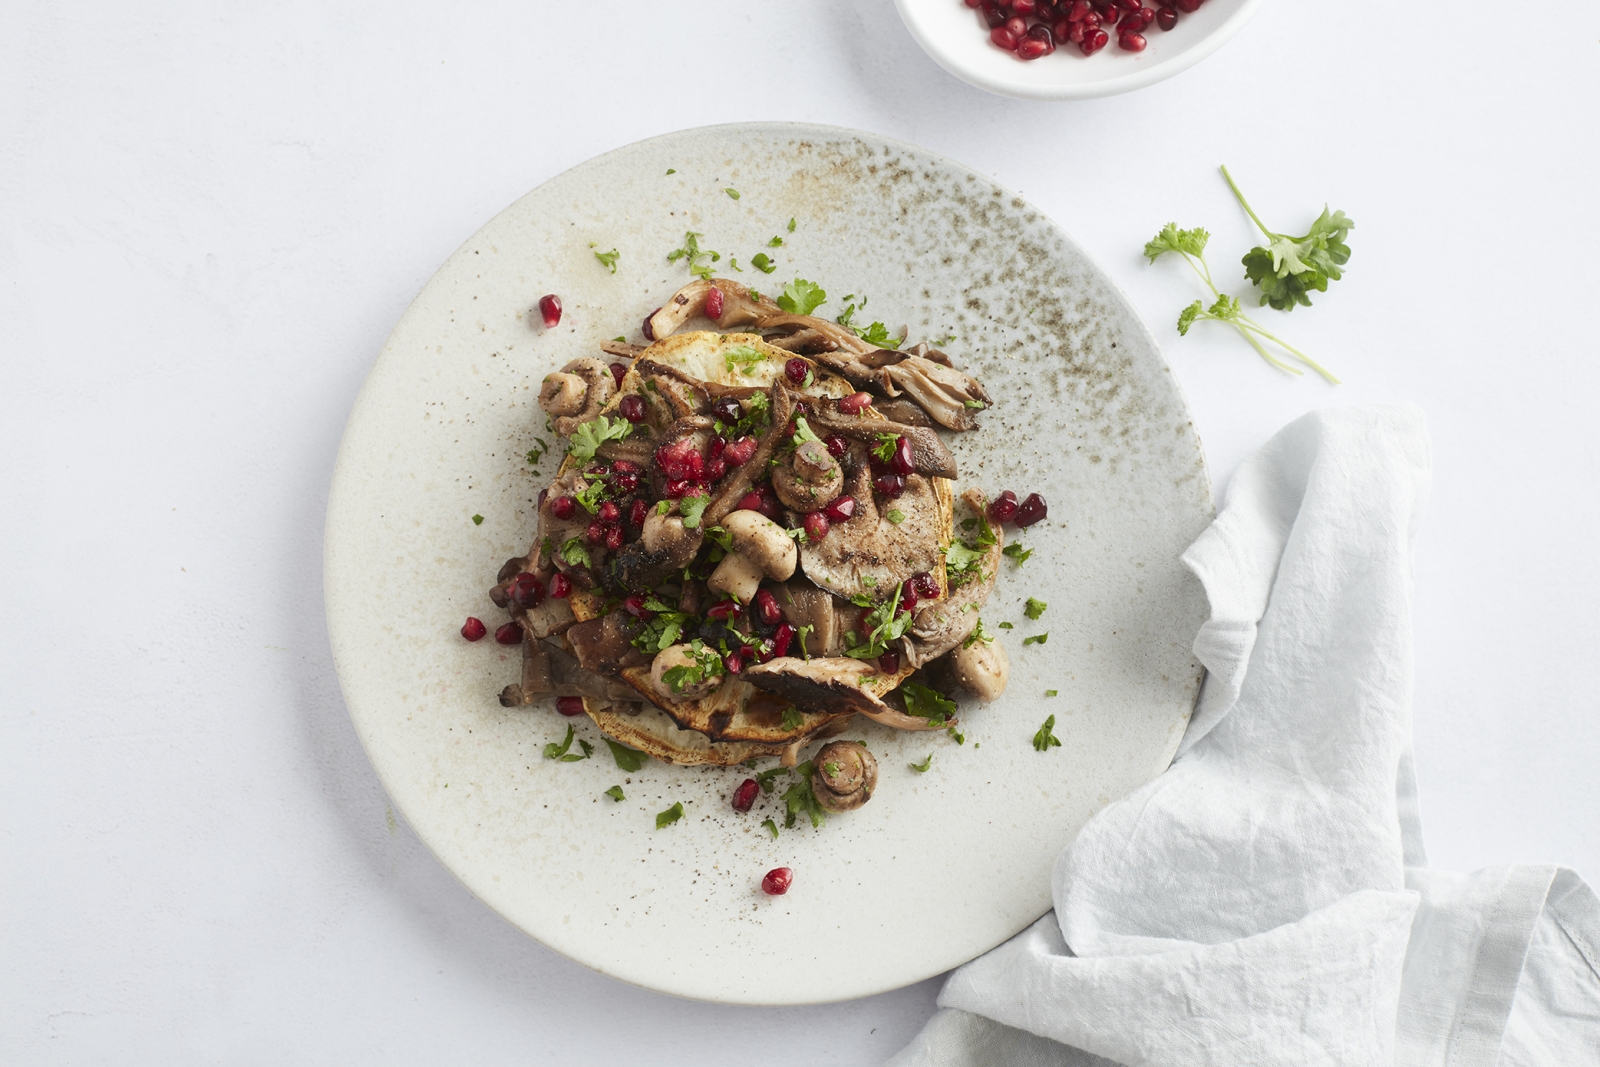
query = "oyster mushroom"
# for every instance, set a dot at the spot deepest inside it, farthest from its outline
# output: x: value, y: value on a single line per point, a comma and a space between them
x: 575, y: 394
x: 981, y: 668
x: 869, y: 555
x: 664, y: 545
x: 685, y: 656
x: 810, y: 479
x: 929, y: 455
x: 760, y: 547
x: 843, y: 776
x: 832, y: 684
x: 945, y: 623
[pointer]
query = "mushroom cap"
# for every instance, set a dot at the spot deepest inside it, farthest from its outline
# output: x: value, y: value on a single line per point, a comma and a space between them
x: 562, y: 394
x: 763, y: 542
x: 982, y: 669
x: 811, y: 478
x: 843, y: 776
x: 680, y: 656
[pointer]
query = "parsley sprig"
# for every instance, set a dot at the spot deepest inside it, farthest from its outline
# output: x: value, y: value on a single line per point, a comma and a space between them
x: 926, y: 702
x: 801, y: 297
x: 1286, y: 268
x: 563, y: 751
x: 798, y: 799
x: 706, y: 664
x: 693, y: 253
x: 589, y: 436
x: 1045, y: 739
x: 887, y: 626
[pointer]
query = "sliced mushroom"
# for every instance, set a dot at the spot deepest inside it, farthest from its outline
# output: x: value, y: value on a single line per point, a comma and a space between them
x: 737, y: 484
x: 620, y: 348
x: 981, y: 668
x: 760, y: 547
x: 570, y: 679
x: 843, y: 776
x: 664, y: 546
x: 562, y: 394
x: 604, y: 646
x: 943, y: 624
x: 682, y: 656
x: 804, y: 604
x: 831, y: 684
x: 805, y: 342
x: 950, y: 397
x: 552, y: 616
x: 810, y: 479
x: 929, y: 455
x: 685, y: 396
x: 869, y: 555
x: 535, y: 675
x: 904, y: 412
x: 599, y: 385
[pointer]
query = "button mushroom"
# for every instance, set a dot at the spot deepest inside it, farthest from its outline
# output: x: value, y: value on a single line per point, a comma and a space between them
x: 575, y: 394
x: 760, y: 547
x: 703, y: 672
x: 843, y: 776
x: 810, y: 479
x: 982, y: 669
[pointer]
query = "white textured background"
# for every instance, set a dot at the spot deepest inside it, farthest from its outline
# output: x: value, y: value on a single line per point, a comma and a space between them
x: 208, y: 224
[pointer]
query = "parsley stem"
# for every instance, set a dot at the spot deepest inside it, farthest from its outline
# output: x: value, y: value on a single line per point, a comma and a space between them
x: 1246, y: 205
x: 1205, y: 275
x: 1248, y: 323
x: 1280, y: 364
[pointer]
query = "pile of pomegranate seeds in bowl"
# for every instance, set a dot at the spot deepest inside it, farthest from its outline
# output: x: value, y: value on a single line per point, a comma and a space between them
x: 1033, y: 28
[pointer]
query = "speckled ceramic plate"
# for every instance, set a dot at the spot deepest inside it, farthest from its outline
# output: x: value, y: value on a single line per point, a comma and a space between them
x: 940, y: 866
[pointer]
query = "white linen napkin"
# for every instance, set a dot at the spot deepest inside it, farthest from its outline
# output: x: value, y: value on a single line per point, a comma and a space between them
x: 1265, y: 901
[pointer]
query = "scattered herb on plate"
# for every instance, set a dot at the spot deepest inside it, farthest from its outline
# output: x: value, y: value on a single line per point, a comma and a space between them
x: 922, y: 768
x: 1045, y: 739
x: 1034, y: 609
x: 615, y: 793
x: 670, y: 816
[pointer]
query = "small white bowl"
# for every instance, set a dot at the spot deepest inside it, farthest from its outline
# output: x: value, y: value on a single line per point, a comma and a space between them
x: 958, y: 40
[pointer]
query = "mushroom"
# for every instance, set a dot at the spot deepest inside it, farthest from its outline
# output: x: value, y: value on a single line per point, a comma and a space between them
x: 685, y: 656
x: 981, y: 668
x: 604, y: 645
x: 843, y: 776
x: 929, y: 455
x: 869, y: 554
x: 760, y: 547
x: 665, y: 545
x: 831, y: 684
x: 575, y: 394
x: 738, y: 482
x: 810, y: 479
x: 945, y: 623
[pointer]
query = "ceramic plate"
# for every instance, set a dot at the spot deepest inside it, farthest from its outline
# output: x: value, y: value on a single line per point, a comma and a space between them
x: 957, y: 38
x: 941, y: 865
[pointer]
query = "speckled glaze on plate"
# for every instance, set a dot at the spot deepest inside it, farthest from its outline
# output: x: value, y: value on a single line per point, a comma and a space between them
x: 939, y: 866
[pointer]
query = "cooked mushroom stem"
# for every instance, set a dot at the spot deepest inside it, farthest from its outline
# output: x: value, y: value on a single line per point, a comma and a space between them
x: 763, y: 542
x: 738, y: 576
x: 598, y: 384
x: 679, y: 656
x: 562, y: 394
x: 982, y: 669
x: 843, y: 776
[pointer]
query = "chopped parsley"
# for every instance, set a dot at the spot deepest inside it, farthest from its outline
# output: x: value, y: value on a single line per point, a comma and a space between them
x: 1036, y: 639
x: 563, y: 751
x: 792, y: 718
x: 608, y: 259
x: 628, y: 759
x: 1004, y: 625
x: 672, y: 170
x: 896, y: 516
x: 770, y: 827
x: 878, y: 334
x: 661, y: 631
x: 803, y: 432
x: 1051, y: 692
x: 963, y: 562
x: 574, y: 554
x: 589, y: 436
x: 757, y: 413
x: 791, y: 225
x: 978, y: 634
x: 922, y: 768
x: 707, y: 664
x: 801, y: 297
x: 732, y: 193
x: 925, y: 702
x: 536, y: 454
x: 477, y: 520
x: 743, y: 358
x: 884, y: 449
x: 801, y: 633
x: 1035, y: 608
x: 887, y: 626
x: 961, y: 738
x: 776, y: 242
x: 1018, y: 554
x: 670, y: 816
x: 1044, y: 740
x: 591, y: 495
x: 691, y: 508
x: 692, y: 253
x: 734, y: 263
x: 615, y: 793
x: 763, y: 263
x: 764, y: 779
x: 798, y: 799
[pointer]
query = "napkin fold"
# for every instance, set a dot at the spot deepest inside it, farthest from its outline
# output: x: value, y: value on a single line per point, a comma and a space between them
x: 1266, y: 900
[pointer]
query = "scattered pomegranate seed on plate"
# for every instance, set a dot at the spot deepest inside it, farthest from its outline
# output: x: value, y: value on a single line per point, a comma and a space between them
x: 569, y: 706
x: 1033, y: 510
x: 509, y: 634
x: 550, y: 310
x: 473, y: 629
x: 777, y: 881
x: 746, y: 794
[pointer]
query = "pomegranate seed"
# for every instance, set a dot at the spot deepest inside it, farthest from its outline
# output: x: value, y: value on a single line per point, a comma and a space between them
x: 992, y: 15
x: 1107, y: 11
x: 625, y: 482
x: 1130, y: 24
x: 675, y: 489
x: 727, y: 409
x: 783, y: 639
x: 796, y: 370
x: 1017, y: 27
x: 618, y: 372
x: 1076, y: 31
x: 777, y: 881
x: 890, y: 485
x: 1078, y: 10
x: 1093, y: 42
x: 634, y: 605
x: 767, y: 608
x: 738, y: 453
x: 716, y: 469
x: 1147, y: 15
x: 1131, y: 42
x: 550, y: 309
x: 526, y: 591
x: 608, y: 512
x: 1041, y: 32
x: 926, y: 587
x: 714, y: 303
x: 746, y: 794
x: 751, y: 501
x: 901, y: 459
x: 622, y: 466
x: 749, y: 653
x: 837, y: 446
x: 1047, y: 11
x: 1188, y: 7
x: 632, y: 408
x: 855, y: 403
x: 614, y: 537
x: 1033, y: 510
x: 889, y: 663
x: 595, y: 534
x: 1063, y: 29
x: 510, y: 633
x: 816, y: 524
x: 1167, y: 18
x: 1032, y: 47
x: 1004, y: 507
x: 1024, y: 8
x: 649, y: 333
x: 909, y: 598
x: 473, y: 629
x: 841, y: 509
x: 560, y: 586
x: 733, y: 662
x: 1131, y: 5
x: 723, y: 610
x: 639, y: 512
x: 569, y: 706
x: 562, y: 507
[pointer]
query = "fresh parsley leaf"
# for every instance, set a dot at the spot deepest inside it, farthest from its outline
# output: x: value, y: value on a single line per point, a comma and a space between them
x: 691, y: 508
x: 608, y: 259
x: 886, y: 624
x: 1045, y: 740
x: 732, y: 193
x: 792, y: 718
x: 802, y: 633
x: 672, y: 170
x: 591, y: 435
x: 1036, y: 639
x: 763, y: 263
x: 1171, y: 239
x: 776, y: 242
x: 1018, y: 554
x: 615, y: 793
x: 743, y: 358
x: 563, y: 751
x: 692, y: 253
x: 977, y: 634
x: 963, y: 564
x: 575, y: 554
x: 591, y: 495
x: 878, y: 334
x: 798, y: 799
x: 961, y: 738
x: 588, y: 749
x: 477, y: 520
x: 884, y: 449
x: 976, y: 405
x: 1051, y: 692
x: 628, y: 759
x: 764, y: 779
x: 536, y: 454
x: 663, y: 506
x: 734, y: 263
x: 925, y: 702
x: 803, y: 431
x: 896, y: 516
x: 1004, y: 625
x: 670, y: 816
x: 770, y: 827
x: 801, y: 297
x: 1035, y: 608
x: 791, y: 225
x: 707, y: 664
x: 922, y: 768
